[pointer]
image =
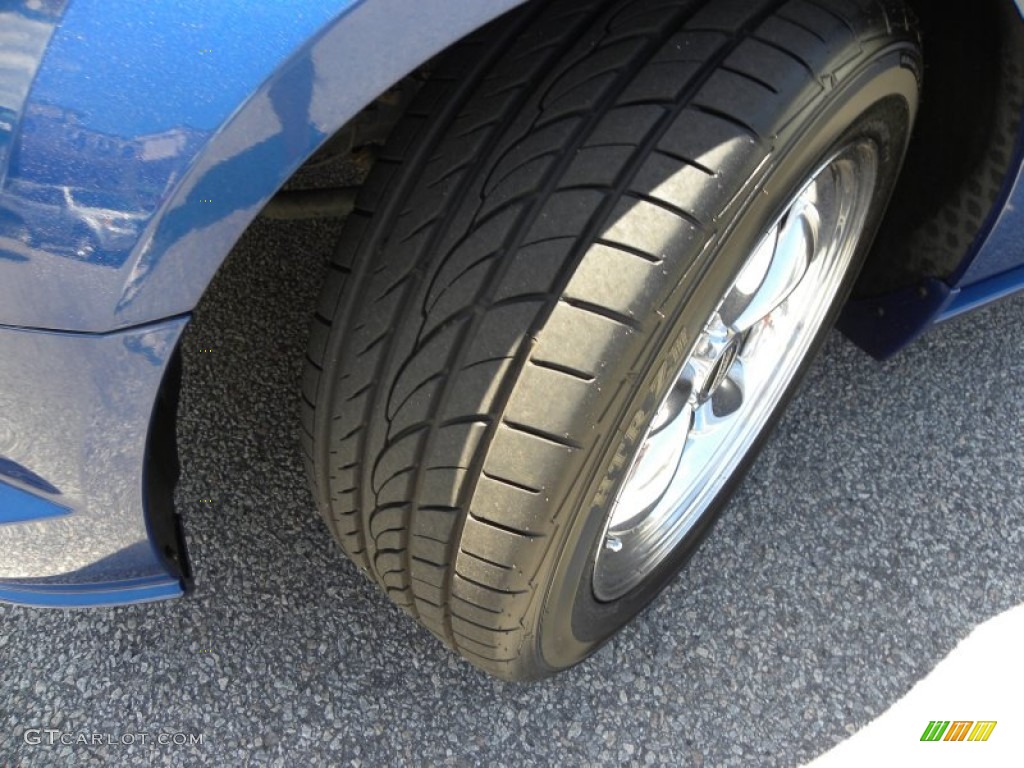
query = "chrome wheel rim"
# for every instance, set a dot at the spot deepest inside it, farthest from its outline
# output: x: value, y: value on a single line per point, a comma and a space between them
x: 737, y: 371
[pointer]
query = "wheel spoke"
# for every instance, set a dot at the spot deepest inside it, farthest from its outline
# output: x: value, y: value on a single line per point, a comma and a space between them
x: 653, y: 469
x: 793, y: 245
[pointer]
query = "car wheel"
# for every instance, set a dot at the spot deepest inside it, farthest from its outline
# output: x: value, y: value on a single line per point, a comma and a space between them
x: 586, y: 274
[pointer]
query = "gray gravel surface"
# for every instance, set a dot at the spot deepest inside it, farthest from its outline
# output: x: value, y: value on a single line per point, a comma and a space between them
x: 883, y: 522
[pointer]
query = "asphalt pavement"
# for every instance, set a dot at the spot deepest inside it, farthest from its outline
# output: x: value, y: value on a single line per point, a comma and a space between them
x: 883, y: 522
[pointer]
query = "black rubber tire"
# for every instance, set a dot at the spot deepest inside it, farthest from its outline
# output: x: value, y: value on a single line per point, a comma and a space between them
x: 559, y: 211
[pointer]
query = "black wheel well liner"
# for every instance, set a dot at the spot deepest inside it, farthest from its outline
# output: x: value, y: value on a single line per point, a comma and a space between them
x: 962, y: 155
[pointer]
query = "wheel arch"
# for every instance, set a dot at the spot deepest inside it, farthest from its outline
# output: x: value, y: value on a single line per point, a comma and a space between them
x: 374, y: 39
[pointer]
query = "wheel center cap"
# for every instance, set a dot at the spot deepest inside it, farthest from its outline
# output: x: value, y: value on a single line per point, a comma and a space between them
x: 720, y: 369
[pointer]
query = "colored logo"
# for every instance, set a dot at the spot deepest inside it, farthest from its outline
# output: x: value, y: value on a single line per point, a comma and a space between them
x: 958, y: 730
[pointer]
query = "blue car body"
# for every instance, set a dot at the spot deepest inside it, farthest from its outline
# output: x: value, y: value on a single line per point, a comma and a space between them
x: 137, y: 142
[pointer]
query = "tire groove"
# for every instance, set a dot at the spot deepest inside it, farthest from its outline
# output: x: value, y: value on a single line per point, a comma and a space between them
x: 541, y: 434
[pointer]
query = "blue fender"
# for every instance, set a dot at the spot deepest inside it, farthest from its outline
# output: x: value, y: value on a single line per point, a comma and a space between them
x: 153, y: 133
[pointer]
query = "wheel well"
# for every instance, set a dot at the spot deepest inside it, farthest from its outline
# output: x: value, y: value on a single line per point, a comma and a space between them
x: 963, y: 148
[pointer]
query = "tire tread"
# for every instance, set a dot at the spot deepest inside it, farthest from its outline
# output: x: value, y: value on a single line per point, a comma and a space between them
x: 443, y: 390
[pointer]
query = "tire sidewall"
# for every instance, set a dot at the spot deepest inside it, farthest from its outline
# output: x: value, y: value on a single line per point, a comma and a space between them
x: 877, y: 100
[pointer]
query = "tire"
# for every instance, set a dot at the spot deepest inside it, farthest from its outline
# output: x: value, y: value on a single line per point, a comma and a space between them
x: 545, y: 235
